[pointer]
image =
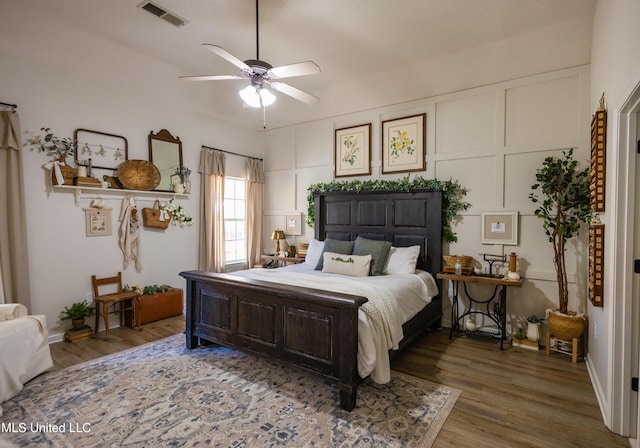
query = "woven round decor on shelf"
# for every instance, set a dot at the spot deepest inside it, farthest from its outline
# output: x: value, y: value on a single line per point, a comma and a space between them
x: 138, y: 175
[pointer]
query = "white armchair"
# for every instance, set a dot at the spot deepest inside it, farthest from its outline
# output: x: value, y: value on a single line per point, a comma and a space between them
x: 24, y: 346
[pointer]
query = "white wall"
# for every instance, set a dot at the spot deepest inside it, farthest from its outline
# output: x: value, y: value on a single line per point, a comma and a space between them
x: 65, y: 78
x: 615, y: 71
x: 491, y: 139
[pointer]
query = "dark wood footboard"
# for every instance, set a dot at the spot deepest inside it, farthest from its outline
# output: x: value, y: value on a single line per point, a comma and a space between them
x: 307, y: 328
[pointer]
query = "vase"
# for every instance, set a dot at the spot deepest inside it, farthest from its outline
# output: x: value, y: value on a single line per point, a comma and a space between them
x: 566, y: 327
x: 533, y: 331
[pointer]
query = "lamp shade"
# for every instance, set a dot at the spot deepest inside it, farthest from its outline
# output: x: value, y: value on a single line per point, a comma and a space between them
x: 257, y: 96
x: 277, y: 235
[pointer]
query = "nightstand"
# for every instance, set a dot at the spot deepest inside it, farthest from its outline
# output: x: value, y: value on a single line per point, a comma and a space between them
x: 282, y: 261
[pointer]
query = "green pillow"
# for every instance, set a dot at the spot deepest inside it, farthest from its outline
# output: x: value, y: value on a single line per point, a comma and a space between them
x: 336, y: 246
x: 379, y: 251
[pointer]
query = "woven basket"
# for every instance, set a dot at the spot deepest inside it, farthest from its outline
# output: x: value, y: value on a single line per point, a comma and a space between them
x: 566, y: 327
x: 450, y: 260
x: 67, y: 173
x: 151, y: 217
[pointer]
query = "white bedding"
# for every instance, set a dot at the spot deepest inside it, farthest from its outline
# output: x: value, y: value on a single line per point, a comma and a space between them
x: 406, y: 294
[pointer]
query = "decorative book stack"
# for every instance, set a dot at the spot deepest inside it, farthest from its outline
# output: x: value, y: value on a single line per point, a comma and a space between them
x: 74, y: 335
x: 526, y: 343
x: 86, y: 181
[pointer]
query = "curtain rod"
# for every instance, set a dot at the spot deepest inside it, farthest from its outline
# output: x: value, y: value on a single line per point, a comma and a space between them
x: 14, y: 106
x: 231, y: 152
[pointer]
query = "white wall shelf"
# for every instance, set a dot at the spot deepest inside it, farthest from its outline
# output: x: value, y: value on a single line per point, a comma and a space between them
x: 92, y: 192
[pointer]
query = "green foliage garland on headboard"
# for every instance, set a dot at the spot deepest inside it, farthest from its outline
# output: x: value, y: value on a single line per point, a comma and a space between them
x: 452, y: 203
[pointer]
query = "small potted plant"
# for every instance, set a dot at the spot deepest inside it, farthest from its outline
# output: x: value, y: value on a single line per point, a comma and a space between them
x: 533, y: 328
x: 58, y: 149
x: 77, y: 313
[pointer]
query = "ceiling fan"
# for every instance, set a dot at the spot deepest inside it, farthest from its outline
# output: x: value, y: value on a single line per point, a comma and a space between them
x: 261, y: 73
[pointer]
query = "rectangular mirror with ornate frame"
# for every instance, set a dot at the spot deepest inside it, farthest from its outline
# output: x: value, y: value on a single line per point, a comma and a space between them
x: 165, y: 152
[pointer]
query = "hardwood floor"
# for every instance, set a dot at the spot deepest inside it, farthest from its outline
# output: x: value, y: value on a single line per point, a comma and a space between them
x: 66, y: 354
x: 511, y: 398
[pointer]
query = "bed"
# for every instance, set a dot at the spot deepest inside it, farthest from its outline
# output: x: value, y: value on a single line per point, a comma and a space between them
x: 312, y: 328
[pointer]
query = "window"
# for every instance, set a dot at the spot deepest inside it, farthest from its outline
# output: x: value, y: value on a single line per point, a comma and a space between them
x: 235, y: 221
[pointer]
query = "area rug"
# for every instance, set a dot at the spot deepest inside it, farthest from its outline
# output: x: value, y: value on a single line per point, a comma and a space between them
x: 164, y: 395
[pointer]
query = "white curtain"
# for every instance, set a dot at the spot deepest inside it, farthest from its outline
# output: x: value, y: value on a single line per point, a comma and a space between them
x: 211, y: 254
x: 14, y: 262
x: 255, y: 179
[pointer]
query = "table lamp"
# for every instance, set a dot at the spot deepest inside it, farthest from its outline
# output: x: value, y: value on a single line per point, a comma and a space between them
x: 278, y: 235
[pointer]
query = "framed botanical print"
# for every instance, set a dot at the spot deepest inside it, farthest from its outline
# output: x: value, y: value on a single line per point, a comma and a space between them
x: 352, y: 151
x: 403, y: 144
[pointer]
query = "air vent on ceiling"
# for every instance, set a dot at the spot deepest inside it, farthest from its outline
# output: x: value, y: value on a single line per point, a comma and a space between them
x: 161, y: 12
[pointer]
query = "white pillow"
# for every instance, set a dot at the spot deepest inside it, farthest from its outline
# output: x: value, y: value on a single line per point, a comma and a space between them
x: 353, y: 265
x: 313, y: 253
x: 402, y: 260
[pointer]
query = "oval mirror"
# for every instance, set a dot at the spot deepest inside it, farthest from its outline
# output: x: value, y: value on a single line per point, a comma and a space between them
x: 165, y: 152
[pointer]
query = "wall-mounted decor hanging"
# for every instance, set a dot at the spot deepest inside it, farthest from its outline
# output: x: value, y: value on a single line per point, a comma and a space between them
x: 106, y: 151
x: 293, y: 223
x: 500, y: 228
x: 352, y: 151
x: 403, y: 144
x: 97, y: 221
x: 598, y: 157
x: 596, y: 263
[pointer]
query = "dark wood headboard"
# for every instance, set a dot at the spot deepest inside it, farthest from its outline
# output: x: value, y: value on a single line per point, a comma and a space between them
x: 404, y: 218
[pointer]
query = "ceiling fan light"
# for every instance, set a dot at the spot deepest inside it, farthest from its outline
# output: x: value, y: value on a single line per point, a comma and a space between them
x: 257, y: 96
x: 250, y: 96
x: 268, y: 98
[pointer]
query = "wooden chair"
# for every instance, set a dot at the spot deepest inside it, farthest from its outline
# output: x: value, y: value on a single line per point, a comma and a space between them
x: 122, y: 301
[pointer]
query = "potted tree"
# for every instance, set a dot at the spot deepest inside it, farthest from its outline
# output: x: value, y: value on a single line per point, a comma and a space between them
x: 563, y: 206
x: 77, y: 313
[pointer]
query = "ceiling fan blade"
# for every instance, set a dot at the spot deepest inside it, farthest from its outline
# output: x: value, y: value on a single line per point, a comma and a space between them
x: 295, y: 93
x: 210, y: 77
x: 298, y: 69
x: 228, y: 56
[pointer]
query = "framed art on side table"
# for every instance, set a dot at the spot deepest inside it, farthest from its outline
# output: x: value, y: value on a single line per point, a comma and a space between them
x: 352, y: 151
x: 404, y: 144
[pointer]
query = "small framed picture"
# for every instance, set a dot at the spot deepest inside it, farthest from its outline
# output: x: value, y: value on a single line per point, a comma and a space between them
x: 97, y: 221
x: 500, y: 228
x: 403, y: 144
x: 352, y: 151
x: 293, y: 223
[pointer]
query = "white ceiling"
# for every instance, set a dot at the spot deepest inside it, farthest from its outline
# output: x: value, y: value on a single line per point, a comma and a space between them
x: 358, y: 44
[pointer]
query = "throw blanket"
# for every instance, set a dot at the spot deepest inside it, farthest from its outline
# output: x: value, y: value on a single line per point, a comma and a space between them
x: 20, y: 340
x: 386, y: 326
